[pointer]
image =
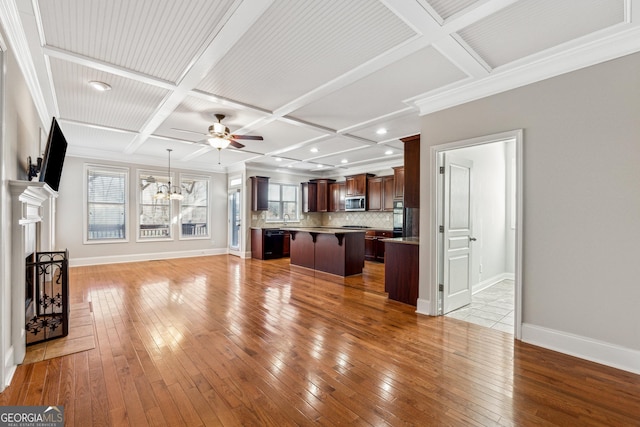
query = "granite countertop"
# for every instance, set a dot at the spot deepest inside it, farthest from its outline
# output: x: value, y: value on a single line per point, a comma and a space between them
x: 325, y: 230
x: 403, y: 240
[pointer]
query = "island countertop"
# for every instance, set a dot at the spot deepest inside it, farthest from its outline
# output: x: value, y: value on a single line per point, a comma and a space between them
x: 403, y: 240
x: 324, y: 230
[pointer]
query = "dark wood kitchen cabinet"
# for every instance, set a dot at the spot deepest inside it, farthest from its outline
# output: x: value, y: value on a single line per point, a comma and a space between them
x: 315, y: 195
x: 374, y: 247
x: 309, y: 196
x: 374, y: 193
x: 398, y: 183
x: 380, y: 193
x: 337, y: 192
x: 411, y: 171
x: 388, y: 192
x: 357, y: 184
x: 259, y: 193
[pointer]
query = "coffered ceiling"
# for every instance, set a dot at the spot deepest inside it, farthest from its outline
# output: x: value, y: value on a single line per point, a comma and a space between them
x: 325, y: 74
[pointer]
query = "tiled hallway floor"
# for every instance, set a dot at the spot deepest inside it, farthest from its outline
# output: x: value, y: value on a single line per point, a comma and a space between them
x: 491, y: 307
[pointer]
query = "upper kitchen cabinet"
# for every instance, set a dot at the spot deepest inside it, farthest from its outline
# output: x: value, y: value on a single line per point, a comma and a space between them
x: 337, y: 192
x: 411, y: 171
x: 380, y: 193
x: 259, y: 193
x: 315, y: 195
x: 357, y: 184
x: 309, y: 197
x: 398, y: 182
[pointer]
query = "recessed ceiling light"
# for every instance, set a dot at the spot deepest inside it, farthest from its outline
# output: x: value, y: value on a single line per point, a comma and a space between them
x: 381, y: 131
x: 320, y: 166
x: 289, y: 166
x: 314, y: 150
x: 278, y: 159
x: 344, y: 161
x: 388, y: 152
x: 99, y: 86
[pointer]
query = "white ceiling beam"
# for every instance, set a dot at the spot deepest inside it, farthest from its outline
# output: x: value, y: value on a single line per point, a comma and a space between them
x: 238, y: 23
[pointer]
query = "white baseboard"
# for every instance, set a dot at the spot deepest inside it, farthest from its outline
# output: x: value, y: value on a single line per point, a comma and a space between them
x: 583, y: 347
x: 423, y: 307
x: 116, y: 259
x: 487, y: 283
x: 9, y: 368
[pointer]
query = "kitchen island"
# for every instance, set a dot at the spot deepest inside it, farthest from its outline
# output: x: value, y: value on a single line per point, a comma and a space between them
x: 331, y: 250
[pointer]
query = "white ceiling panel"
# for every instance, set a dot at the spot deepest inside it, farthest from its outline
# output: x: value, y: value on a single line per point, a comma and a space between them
x: 127, y: 105
x: 279, y: 135
x: 297, y: 46
x: 157, y: 147
x: 531, y: 26
x: 298, y: 73
x: 373, y: 97
x: 447, y: 8
x: 156, y: 37
x: 324, y: 148
x: 364, y: 156
x: 395, y: 128
x: 80, y: 136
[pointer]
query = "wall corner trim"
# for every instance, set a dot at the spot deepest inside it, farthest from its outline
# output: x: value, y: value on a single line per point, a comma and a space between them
x: 583, y: 347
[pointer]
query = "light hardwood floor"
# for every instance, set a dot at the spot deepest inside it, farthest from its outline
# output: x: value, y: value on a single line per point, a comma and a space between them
x: 225, y: 341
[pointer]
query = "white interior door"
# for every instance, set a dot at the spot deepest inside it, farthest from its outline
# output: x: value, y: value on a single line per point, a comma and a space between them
x: 457, y: 231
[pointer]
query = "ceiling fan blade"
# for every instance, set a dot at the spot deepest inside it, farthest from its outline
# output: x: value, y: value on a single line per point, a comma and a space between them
x: 235, y: 144
x: 251, y: 137
x: 188, y: 131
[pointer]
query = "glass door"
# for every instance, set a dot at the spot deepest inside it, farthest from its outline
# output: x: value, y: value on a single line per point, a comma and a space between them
x: 234, y: 220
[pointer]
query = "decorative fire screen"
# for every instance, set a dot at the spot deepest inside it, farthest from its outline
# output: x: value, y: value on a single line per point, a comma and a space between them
x: 47, y: 313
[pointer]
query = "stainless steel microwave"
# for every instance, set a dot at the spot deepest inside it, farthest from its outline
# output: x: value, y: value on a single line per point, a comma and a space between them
x: 356, y: 203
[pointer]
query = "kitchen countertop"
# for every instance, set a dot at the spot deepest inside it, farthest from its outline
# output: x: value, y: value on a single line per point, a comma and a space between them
x: 325, y: 230
x: 403, y: 240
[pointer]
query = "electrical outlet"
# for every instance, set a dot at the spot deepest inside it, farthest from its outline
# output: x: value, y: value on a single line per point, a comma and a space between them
x: 254, y: 217
x: 329, y: 217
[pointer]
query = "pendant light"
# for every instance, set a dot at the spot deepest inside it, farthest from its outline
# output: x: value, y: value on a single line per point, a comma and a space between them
x: 174, y: 191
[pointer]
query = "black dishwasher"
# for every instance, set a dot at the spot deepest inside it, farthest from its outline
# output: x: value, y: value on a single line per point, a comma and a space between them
x: 273, y: 241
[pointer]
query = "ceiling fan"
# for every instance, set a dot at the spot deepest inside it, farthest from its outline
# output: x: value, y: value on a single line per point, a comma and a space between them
x: 220, y: 137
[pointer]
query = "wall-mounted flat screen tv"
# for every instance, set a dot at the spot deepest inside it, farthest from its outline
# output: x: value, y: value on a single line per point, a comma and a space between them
x: 53, y: 157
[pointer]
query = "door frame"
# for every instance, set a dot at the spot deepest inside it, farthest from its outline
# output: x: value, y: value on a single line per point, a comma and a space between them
x: 235, y: 184
x: 436, y: 244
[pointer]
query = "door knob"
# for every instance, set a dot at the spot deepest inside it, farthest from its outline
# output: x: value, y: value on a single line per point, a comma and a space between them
x: 473, y: 239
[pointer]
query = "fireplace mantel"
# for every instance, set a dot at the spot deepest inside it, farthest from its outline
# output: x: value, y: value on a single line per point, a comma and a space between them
x: 33, y: 213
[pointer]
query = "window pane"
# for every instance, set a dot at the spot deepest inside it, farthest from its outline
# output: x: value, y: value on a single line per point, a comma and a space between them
x: 289, y: 193
x: 106, y: 186
x: 274, y: 210
x: 194, y: 214
x: 290, y: 208
x: 274, y: 191
x: 154, y: 220
x: 106, y: 203
x: 106, y: 222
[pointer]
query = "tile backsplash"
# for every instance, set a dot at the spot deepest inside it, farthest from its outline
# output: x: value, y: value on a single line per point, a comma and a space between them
x: 382, y: 220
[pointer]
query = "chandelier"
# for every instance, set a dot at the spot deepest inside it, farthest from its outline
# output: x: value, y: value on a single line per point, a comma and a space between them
x: 169, y: 192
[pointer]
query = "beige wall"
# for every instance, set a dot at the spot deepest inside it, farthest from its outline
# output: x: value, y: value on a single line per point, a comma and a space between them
x: 581, y: 195
x: 69, y: 221
x: 19, y: 139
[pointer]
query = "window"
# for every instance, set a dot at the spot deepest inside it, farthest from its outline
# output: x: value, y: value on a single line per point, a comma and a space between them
x: 194, y: 208
x: 106, y: 209
x: 283, y: 200
x: 155, y: 214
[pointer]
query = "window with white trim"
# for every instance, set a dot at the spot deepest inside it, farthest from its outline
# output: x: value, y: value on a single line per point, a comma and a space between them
x: 106, y: 209
x: 282, y: 200
x: 154, y: 221
x: 194, y: 207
